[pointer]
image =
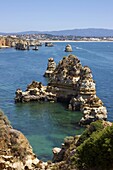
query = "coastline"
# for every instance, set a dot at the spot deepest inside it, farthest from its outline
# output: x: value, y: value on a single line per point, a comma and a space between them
x: 67, y: 41
x: 4, y: 47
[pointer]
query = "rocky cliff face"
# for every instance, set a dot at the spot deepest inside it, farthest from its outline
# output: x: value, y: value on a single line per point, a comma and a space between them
x: 22, y: 45
x: 69, y: 82
x: 15, y: 150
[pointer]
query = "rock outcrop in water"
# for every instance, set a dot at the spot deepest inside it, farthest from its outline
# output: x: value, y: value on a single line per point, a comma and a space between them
x: 68, y: 48
x: 22, y: 45
x: 35, y: 92
x: 50, y: 68
x: 71, y: 83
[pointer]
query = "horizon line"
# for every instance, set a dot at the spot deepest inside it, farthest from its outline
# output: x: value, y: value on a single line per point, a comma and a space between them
x: 56, y: 30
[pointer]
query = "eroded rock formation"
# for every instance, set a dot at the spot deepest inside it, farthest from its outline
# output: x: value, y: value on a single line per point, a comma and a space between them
x: 35, y: 92
x: 15, y: 150
x: 72, y: 83
x: 68, y: 48
x: 22, y: 45
x: 50, y: 68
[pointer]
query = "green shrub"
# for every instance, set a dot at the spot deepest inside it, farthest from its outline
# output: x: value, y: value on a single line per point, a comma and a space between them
x: 96, y: 151
x: 95, y: 126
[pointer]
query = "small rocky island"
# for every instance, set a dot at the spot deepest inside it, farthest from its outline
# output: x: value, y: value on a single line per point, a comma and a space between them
x: 68, y: 48
x: 69, y: 82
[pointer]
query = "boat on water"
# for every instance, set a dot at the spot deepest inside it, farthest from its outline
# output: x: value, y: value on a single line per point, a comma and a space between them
x: 49, y: 44
x: 39, y: 44
x: 35, y: 48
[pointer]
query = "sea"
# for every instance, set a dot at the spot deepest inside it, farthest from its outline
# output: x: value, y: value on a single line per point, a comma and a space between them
x: 47, y: 124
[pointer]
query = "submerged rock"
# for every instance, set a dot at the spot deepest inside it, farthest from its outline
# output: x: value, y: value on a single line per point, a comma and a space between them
x: 69, y: 82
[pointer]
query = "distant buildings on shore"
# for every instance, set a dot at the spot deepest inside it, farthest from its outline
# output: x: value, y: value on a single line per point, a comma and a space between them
x: 33, y: 39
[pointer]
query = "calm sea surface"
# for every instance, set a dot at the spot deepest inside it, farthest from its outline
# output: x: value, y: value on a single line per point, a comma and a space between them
x: 45, y: 125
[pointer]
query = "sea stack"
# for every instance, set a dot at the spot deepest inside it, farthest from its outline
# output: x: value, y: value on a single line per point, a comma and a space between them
x: 69, y: 82
x: 50, y: 67
x: 68, y: 48
x: 22, y: 45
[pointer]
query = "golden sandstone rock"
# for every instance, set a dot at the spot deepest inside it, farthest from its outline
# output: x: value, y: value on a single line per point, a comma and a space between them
x: 69, y: 82
x: 68, y: 48
x: 15, y: 150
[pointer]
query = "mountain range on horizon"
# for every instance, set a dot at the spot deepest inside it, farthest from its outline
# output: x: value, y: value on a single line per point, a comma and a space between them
x: 87, y: 32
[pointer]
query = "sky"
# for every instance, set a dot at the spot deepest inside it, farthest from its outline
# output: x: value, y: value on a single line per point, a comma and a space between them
x: 51, y: 15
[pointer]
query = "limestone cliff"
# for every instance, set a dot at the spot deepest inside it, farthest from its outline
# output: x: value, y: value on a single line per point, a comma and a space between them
x: 22, y: 45
x: 15, y: 150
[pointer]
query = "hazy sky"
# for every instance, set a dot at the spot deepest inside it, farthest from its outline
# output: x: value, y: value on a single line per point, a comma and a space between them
x: 45, y: 15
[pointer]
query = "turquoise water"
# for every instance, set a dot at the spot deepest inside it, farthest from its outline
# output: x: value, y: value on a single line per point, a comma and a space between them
x: 46, y: 124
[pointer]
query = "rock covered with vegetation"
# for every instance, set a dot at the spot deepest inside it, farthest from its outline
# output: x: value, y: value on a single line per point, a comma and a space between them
x: 69, y: 82
x: 91, y: 151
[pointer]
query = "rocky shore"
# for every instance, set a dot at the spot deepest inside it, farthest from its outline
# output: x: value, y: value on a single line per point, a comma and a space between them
x: 15, y: 150
x: 69, y: 82
x: 72, y: 83
x: 88, y: 151
x: 17, y: 154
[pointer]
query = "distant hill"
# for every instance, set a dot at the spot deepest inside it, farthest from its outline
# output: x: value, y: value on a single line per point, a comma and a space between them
x: 89, y: 32
x: 20, y: 33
